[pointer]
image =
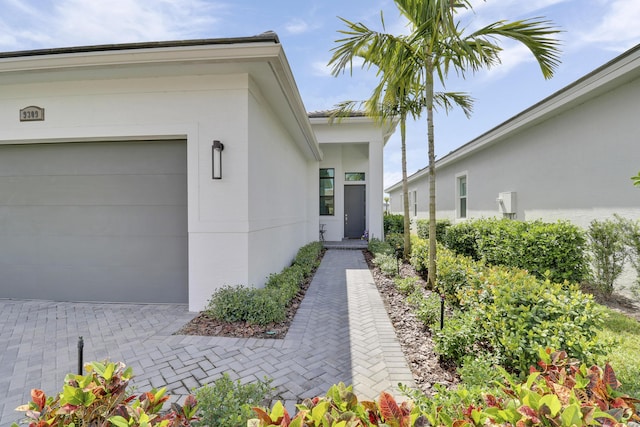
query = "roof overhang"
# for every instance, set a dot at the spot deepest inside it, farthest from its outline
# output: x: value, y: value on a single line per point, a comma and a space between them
x: 388, y: 127
x: 261, y: 57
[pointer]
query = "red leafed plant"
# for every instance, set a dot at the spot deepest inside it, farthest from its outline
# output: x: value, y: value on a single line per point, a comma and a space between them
x: 341, y: 407
x: 100, y: 399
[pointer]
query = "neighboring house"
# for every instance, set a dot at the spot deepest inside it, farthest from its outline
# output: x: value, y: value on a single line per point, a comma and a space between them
x: 570, y: 156
x: 108, y: 158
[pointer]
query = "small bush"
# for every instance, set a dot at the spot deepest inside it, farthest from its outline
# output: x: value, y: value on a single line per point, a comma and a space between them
x: 458, y: 338
x: 392, y: 223
x: 563, y: 392
x: 420, y: 255
x: 388, y: 264
x: 406, y: 285
x: 426, y: 308
x: 631, y: 232
x: 513, y: 314
x: 229, y: 303
x: 103, y: 397
x: 269, y: 304
x: 441, y: 228
x: 377, y: 246
x: 479, y: 371
x: 608, y: 253
x: 396, y: 241
x: 226, y: 403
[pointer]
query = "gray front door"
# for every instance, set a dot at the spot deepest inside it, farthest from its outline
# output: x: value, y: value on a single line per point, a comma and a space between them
x: 354, y: 211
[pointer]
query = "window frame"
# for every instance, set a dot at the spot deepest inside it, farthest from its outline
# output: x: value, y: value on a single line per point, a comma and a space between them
x: 330, y: 208
x: 462, y: 200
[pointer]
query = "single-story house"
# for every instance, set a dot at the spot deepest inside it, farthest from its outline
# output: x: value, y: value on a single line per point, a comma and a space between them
x: 160, y: 172
x: 570, y: 157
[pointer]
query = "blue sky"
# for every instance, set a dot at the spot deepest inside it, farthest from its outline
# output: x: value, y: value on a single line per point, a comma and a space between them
x: 594, y: 32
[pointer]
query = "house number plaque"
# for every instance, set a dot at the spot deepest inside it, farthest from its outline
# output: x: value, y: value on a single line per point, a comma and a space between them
x: 32, y: 114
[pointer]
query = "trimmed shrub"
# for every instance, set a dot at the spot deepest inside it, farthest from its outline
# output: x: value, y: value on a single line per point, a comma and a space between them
x: 442, y: 225
x: 226, y: 403
x: 547, y: 250
x: 393, y: 223
x: 406, y: 285
x: 463, y: 238
x: 425, y: 307
x: 396, y: 241
x: 513, y: 314
x: 608, y: 253
x: 388, y: 264
x: 377, y: 246
x: 631, y: 233
x: 269, y: 304
x: 420, y: 255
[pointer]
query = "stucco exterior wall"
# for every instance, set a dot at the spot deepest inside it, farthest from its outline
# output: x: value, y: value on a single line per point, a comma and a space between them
x: 279, y: 221
x: 576, y: 165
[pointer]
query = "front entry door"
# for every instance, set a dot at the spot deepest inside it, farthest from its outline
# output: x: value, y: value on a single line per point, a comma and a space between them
x: 354, y: 211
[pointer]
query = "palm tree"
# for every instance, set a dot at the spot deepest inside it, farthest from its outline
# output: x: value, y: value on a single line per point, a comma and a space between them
x: 435, y: 46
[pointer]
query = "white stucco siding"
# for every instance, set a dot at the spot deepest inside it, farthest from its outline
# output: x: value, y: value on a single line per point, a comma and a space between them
x: 576, y: 165
x: 277, y: 193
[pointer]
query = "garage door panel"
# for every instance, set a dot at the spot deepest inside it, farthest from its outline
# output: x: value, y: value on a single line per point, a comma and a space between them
x: 94, y: 158
x: 94, y: 221
x: 91, y: 284
x: 99, y: 190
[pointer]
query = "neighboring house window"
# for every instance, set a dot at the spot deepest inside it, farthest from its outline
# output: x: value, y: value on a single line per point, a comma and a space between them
x: 354, y: 176
x: 327, y: 184
x: 462, y: 196
x: 415, y: 203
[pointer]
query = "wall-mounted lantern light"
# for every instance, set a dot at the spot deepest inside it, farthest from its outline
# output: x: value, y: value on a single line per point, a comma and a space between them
x: 216, y: 159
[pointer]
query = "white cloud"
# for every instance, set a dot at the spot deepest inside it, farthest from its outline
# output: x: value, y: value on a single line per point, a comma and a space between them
x: 618, y: 30
x: 297, y: 26
x: 321, y: 69
x: 81, y: 22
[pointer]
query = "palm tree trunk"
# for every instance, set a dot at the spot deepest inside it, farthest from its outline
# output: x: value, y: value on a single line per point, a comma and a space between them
x: 432, y: 176
x: 405, y: 187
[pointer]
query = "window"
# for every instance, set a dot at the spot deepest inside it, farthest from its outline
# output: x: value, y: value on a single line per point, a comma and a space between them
x: 415, y: 203
x: 354, y: 176
x: 462, y: 196
x: 327, y: 184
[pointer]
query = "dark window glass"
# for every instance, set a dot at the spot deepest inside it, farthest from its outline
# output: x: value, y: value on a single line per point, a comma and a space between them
x: 354, y: 176
x: 327, y: 184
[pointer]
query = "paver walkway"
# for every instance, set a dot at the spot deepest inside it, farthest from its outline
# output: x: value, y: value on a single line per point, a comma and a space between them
x: 341, y: 332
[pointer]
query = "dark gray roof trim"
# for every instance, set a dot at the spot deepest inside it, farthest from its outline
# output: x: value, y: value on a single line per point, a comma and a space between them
x: 268, y: 36
x: 325, y: 114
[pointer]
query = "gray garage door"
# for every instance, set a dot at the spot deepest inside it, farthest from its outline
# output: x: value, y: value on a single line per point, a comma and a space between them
x: 95, y: 221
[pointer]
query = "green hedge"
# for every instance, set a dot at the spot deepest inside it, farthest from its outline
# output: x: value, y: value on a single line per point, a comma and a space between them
x: 510, y: 313
x: 553, y: 250
x: 441, y: 228
x: 269, y: 304
x: 393, y: 223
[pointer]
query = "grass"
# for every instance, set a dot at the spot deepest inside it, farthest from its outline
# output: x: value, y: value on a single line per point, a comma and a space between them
x: 625, y: 355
